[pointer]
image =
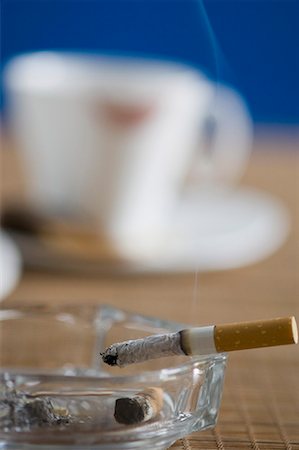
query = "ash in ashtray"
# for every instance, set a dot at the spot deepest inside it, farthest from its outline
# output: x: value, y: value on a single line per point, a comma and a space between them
x: 28, y: 407
x: 19, y: 411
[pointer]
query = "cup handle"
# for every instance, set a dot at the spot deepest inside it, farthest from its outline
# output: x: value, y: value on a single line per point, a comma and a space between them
x: 225, y: 140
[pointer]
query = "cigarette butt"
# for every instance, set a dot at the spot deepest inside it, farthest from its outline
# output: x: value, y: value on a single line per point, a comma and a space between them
x: 262, y: 333
x: 142, y: 407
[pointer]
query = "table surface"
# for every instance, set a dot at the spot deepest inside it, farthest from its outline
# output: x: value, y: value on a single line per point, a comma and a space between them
x: 260, y: 405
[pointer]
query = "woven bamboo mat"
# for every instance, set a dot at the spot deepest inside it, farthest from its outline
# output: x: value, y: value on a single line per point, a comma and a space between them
x: 260, y: 406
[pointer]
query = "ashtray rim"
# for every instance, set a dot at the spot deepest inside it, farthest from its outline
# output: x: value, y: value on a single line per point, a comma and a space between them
x: 107, y: 311
x: 147, y: 375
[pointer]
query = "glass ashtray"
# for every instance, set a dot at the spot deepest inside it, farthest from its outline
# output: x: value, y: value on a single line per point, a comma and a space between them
x: 56, y: 393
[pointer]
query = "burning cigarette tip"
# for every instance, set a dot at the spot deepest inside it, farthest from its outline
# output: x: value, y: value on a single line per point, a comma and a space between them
x: 110, y: 359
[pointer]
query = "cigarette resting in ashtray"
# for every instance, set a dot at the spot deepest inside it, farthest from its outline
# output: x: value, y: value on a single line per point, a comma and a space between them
x: 142, y: 407
x: 204, y: 341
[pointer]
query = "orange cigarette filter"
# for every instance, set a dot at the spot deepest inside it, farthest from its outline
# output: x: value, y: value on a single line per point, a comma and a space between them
x: 261, y: 333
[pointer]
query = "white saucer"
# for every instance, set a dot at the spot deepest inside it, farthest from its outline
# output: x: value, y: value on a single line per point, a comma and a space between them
x: 210, y: 230
x: 221, y: 230
x: 10, y: 265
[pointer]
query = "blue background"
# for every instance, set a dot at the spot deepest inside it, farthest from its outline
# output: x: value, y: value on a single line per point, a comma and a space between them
x: 252, y: 45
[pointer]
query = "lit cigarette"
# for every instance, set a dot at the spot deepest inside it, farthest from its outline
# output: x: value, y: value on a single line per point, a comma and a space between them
x: 204, y: 341
x: 142, y: 407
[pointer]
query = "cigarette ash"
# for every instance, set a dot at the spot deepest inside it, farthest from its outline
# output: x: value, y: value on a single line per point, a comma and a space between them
x: 140, y: 350
x: 132, y: 410
x: 21, y: 412
x: 110, y: 358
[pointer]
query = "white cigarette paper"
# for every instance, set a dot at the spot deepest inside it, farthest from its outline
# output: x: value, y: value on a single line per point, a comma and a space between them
x: 204, y: 341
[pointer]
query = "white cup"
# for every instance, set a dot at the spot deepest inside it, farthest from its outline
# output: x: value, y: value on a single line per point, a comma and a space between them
x: 110, y: 139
